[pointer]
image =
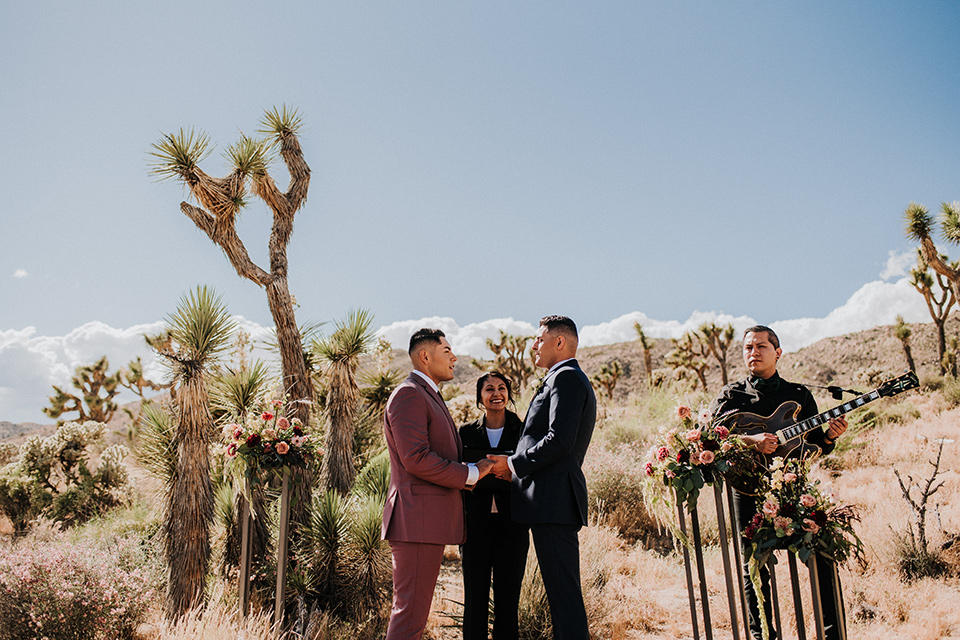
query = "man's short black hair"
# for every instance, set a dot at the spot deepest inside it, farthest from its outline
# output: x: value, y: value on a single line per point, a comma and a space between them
x: 424, y: 336
x: 560, y: 323
x: 774, y: 340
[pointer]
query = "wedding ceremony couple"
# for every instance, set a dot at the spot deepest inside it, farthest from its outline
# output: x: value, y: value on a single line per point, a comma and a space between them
x: 498, y: 481
x: 526, y: 477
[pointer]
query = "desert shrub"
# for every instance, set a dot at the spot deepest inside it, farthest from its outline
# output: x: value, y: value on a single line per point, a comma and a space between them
x: 51, y: 477
x: 615, y: 481
x: 931, y: 382
x: 914, y: 562
x: 951, y: 390
x: 63, y: 591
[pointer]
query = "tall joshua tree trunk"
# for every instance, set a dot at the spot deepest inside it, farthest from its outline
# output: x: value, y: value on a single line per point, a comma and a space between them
x: 221, y: 200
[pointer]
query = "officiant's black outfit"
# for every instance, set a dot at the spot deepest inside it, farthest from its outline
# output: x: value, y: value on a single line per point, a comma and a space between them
x: 495, y: 544
x: 763, y: 397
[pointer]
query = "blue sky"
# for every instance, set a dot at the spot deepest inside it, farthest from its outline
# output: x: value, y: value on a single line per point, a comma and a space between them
x: 478, y: 161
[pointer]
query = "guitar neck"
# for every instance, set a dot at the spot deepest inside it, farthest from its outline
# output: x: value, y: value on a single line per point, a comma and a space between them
x: 796, y: 430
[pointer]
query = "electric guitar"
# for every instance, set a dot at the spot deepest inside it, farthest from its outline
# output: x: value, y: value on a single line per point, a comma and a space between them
x: 791, y: 434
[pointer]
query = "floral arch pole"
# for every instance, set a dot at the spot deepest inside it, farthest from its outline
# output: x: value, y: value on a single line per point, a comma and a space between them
x: 794, y: 516
x: 266, y: 442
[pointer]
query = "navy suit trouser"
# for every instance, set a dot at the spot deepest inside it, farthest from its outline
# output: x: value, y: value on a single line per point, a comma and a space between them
x: 558, y: 554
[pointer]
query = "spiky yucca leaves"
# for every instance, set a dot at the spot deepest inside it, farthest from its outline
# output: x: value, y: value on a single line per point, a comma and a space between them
x: 939, y: 296
x: 341, y: 352
x: 199, y: 331
x: 918, y: 221
x: 346, y: 564
x: 379, y: 386
x: 235, y: 393
x: 178, y: 155
x: 156, y: 449
x: 374, y: 478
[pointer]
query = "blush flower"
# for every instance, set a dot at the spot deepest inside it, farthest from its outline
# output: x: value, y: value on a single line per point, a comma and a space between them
x: 282, y: 447
x: 721, y: 431
x: 297, y: 441
x: 282, y: 423
x: 684, y: 413
x: 782, y: 524
x: 270, y: 434
x: 670, y: 474
x: 789, y: 476
x: 810, y: 525
x: 770, y: 508
x: 807, y: 500
x: 693, y: 435
x: 707, y: 457
x: 726, y: 446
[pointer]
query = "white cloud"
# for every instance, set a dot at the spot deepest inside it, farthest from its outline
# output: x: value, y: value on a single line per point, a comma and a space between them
x: 31, y: 364
x: 20, y: 273
x: 899, y: 264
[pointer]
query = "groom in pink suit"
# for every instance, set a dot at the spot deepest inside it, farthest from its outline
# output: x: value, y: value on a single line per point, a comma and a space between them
x: 424, y: 508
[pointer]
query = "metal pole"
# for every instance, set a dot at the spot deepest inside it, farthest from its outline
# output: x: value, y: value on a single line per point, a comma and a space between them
x: 686, y: 567
x: 738, y: 556
x: 246, y: 553
x: 725, y: 555
x: 282, y: 552
x: 815, y: 595
x: 775, y: 598
x: 797, y: 604
x: 704, y: 596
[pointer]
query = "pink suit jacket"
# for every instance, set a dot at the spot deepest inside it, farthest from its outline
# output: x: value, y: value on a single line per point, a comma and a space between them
x: 424, y: 503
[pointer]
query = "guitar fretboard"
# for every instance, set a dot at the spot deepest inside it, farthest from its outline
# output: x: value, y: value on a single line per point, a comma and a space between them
x: 796, y: 430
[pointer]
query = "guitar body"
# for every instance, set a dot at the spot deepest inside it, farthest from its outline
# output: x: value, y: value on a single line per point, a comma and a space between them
x: 750, y: 424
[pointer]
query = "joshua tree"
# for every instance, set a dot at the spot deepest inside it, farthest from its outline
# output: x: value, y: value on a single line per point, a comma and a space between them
x: 221, y: 200
x: 718, y: 341
x: 197, y: 333
x: 608, y: 377
x: 342, y: 351
x: 939, y: 302
x: 689, y: 355
x: 645, y: 344
x: 919, y: 226
x: 97, y: 390
x: 902, y: 332
x: 509, y: 359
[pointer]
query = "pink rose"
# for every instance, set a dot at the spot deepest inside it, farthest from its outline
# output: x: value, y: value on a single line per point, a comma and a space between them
x: 663, y: 453
x: 282, y: 423
x: 693, y: 435
x: 782, y: 524
x: 770, y: 508
x: 648, y: 468
x: 721, y: 431
x: 810, y: 525
x: 282, y: 447
x: 684, y: 413
x: 789, y: 476
x: 266, y: 415
x: 807, y: 500
x: 269, y: 434
x: 707, y: 457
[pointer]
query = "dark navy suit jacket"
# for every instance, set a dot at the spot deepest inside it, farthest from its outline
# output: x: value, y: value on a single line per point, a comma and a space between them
x: 555, y: 437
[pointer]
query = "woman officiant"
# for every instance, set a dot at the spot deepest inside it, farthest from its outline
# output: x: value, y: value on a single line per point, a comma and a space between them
x: 496, y: 545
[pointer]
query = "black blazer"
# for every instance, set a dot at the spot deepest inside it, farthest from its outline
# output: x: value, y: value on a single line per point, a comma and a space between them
x: 556, y: 434
x: 476, y: 446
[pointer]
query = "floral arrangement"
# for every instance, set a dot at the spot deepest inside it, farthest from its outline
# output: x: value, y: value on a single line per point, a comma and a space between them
x: 689, y: 455
x: 269, y: 440
x: 794, y: 513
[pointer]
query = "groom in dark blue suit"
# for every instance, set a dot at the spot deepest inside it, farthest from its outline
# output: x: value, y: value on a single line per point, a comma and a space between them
x: 552, y: 492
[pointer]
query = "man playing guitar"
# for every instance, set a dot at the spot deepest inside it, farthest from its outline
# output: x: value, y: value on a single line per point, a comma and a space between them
x: 761, y: 393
